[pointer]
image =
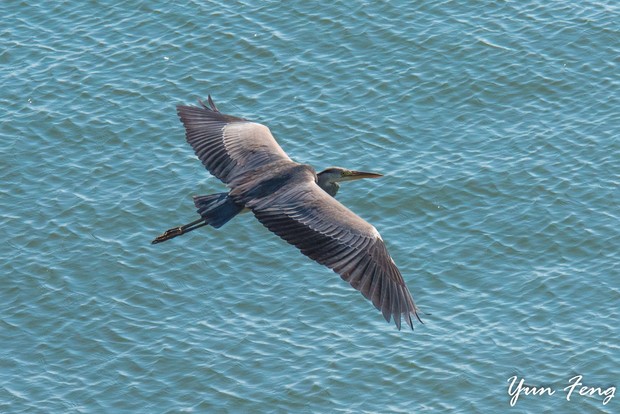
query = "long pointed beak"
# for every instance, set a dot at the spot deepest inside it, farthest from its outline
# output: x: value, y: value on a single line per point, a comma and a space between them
x: 356, y: 175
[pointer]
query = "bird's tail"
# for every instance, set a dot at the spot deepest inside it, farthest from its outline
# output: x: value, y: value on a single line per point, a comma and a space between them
x: 216, y: 209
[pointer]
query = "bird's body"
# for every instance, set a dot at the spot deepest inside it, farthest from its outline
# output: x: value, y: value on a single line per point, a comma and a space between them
x: 293, y: 201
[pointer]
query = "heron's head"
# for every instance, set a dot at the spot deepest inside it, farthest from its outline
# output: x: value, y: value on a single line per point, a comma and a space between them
x: 330, y: 177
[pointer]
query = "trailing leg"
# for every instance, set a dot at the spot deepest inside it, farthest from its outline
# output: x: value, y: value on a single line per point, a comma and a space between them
x: 215, y: 210
x: 177, y: 231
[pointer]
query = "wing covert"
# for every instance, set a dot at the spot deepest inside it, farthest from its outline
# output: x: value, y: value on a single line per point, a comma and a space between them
x: 228, y: 145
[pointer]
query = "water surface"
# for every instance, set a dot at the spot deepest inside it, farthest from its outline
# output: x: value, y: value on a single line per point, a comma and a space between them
x: 496, y: 126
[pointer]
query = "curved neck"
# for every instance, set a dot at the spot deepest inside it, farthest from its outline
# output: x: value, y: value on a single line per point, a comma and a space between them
x: 330, y: 187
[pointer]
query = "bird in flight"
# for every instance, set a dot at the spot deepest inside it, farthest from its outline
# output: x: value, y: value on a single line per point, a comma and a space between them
x: 294, y: 202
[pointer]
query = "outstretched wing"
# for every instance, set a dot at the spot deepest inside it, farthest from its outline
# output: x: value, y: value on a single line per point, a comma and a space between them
x: 326, y: 231
x: 225, y: 144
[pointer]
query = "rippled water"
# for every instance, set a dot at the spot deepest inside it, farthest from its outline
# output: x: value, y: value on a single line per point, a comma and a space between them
x: 495, y: 123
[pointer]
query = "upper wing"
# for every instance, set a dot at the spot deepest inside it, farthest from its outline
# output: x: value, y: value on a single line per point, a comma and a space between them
x: 225, y: 144
x: 328, y: 232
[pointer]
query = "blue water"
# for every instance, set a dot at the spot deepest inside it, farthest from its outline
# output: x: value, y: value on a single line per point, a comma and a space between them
x: 496, y: 125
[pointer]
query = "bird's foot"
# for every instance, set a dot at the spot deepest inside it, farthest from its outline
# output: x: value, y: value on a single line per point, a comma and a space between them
x: 168, y: 234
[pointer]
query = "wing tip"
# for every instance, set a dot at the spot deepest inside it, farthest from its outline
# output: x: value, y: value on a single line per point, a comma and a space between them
x: 397, y: 317
x: 211, y: 106
x: 408, y: 320
x: 183, y: 109
x: 205, y: 112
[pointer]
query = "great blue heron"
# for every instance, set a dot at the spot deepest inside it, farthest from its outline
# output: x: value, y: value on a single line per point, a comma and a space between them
x: 293, y: 201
